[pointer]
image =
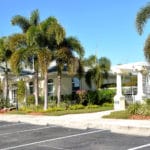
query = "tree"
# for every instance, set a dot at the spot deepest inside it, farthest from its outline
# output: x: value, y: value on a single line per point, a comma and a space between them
x: 5, y: 54
x: 25, y: 24
x: 141, y: 19
x: 65, y: 57
x: 45, y: 38
x: 98, y: 70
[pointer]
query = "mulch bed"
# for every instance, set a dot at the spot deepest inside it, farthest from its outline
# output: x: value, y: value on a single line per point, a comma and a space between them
x: 140, y: 117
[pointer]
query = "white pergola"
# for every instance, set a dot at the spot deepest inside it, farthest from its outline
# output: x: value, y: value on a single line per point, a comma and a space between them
x: 141, y: 69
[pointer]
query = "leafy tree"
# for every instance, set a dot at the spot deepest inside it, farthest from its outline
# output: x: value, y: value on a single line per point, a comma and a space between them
x: 141, y: 19
x: 98, y: 70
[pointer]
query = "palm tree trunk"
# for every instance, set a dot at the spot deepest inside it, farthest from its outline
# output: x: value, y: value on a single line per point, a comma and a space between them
x: 59, y: 90
x: 6, y: 84
x: 36, y: 93
x: 45, y: 91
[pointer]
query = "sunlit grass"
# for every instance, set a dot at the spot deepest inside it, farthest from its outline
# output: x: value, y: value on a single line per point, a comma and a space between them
x: 57, y: 111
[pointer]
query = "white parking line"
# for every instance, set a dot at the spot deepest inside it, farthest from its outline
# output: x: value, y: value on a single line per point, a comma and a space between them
x: 54, y: 139
x: 14, y: 124
x: 139, y: 147
x: 27, y: 130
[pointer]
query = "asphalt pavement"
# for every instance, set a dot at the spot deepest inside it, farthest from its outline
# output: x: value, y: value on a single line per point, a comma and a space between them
x: 25, y: 136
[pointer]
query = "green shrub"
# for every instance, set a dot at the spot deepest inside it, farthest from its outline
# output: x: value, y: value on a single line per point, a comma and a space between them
x: 4, y: 103
x: 147, y: 101
x: 30, y: 100
x: 92, y: 106
x: 139, y: 109
x: 75, y: 107
x: 41, y: 100
x: 92, y: 97
x: 108, y: 104
x: 105, y: 96
x: 99, y: 97
x: 133, y: 108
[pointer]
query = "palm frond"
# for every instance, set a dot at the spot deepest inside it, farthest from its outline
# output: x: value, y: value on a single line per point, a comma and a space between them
x: 44, y: 59
x: 142, y: 17
x: 34, y: 18
x: 21, y: 21
x: 147, y: 49
x: 75, y: 45
x: 16, y: 41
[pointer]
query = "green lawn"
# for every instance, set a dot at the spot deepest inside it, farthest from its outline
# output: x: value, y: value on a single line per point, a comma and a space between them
x: 118, y: 115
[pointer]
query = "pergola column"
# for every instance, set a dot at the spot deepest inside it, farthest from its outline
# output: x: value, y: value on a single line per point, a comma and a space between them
x: 119, y: 99
x: 140, y: 94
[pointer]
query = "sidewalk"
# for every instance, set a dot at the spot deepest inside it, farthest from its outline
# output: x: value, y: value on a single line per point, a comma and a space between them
x: 83, y: 121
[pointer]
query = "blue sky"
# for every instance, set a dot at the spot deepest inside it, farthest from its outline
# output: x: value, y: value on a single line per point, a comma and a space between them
x: 104, y: 27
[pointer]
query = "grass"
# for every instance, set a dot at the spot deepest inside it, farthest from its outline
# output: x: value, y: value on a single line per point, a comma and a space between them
x: 118, y: 115
x: 62, y: 111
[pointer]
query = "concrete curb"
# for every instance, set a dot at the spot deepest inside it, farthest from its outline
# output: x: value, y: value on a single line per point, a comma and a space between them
x: 83, y: 121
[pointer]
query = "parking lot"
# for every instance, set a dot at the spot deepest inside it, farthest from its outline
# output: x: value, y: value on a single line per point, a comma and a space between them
x: 23, y: 136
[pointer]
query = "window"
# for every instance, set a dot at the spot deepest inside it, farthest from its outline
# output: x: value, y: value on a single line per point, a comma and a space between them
x: 31, y: 88
x: 50, y: 86
x: 75, y: 84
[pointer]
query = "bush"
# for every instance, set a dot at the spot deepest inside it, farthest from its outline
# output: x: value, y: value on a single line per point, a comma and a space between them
x: 133, y: 108
x: 75, y: 107
x: 100, y: 96
x: 30, y: 100
x: 92, y: 106
x: 147, y: 101
x: 108, y: 104
x: 4, y: 103
x: 105, y: 96
x: 92, y: 97
x: 81, y: 96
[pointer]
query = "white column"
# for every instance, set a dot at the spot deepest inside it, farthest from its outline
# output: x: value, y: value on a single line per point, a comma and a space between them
x: 119, y: 84
x: 119, y: 99
x: 140, y: 95
x: 140, y: 83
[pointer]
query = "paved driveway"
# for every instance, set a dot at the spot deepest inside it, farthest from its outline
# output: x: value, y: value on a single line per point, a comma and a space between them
x: 24, y: 136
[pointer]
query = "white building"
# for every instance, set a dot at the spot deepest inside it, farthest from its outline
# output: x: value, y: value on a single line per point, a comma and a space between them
x: 69, y: 83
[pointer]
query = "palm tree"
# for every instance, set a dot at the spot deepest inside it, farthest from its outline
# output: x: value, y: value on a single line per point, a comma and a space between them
x: 65, y: 56
x: 45, y: 38
x: 19, y: 57
x: 26, y: 23
x: 5, y: 54
x: 98, y: 70
x: 141, y: 19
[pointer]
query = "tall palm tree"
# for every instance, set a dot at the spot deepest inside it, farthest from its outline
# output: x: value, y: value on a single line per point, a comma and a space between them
x: 5, y: 54
x: 141, y: 19
x: 98, y: 70
x: 45, y: 38
x: 66, y: 56
x: 26, y: 23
